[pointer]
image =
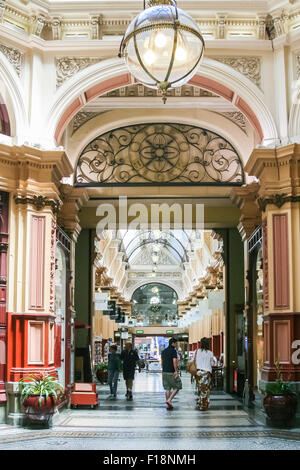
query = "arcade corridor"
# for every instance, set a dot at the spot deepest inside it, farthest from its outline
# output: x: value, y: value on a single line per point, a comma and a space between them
x: 146, y: 424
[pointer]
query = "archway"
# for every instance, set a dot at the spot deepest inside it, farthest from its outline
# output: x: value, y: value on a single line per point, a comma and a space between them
x: 13, y: 98
x: 110, y: 74
x: 155, y: 304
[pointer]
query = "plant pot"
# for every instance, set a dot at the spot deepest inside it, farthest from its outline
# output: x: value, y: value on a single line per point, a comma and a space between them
x: 280, y: 408
x: 36, y: 413
x: 102, y: 375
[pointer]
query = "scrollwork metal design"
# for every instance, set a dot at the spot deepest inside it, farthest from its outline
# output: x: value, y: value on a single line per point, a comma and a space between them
x: 159, y: 153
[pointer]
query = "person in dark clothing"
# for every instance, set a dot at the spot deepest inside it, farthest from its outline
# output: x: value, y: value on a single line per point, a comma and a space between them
x: 130, y: 359
x: 114, y: 367
x: 171, y: 380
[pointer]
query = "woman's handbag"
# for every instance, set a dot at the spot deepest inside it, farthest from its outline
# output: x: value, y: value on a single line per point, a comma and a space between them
x: 192, y: 368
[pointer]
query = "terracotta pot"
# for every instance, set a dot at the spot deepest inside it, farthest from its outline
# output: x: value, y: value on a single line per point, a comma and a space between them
x: 102, y: 375
x: 37, y: 413
x: 280, y: 408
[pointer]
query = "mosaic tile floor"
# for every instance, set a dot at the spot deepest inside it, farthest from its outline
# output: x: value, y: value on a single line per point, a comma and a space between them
x: 145, y: 423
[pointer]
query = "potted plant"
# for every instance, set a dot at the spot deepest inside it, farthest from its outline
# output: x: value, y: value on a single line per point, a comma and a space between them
x: 40, y: 394
x: 101, y: 372
x: 280, y: 402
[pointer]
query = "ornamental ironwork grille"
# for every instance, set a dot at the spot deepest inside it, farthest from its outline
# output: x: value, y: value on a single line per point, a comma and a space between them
x: 159, y: 153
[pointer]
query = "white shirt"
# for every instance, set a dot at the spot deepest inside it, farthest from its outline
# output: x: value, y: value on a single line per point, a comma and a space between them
x: 204, y: 359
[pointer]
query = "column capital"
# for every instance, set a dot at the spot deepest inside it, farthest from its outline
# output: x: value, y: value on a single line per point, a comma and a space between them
x: 245, y: 198
x: 277, y: 169
x: 73, y: 199
x: 33, y: 170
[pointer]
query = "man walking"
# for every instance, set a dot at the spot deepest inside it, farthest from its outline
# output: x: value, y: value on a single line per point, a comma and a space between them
x: 130, y: 358
x: 114, y: 367
x: 171, y: 380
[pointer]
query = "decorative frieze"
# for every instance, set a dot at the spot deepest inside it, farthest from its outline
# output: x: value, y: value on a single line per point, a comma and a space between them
x: 14, y: 56
x: 39, y: 202
x: 67, y: 67
x: 85, y: 23
x: 81, y: 118
x: 277, y: 200
x: 139, y: 90
x: 238, y: 118
x: 247, y: 65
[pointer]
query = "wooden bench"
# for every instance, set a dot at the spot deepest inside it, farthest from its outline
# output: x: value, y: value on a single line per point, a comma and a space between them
x: 84, y: 394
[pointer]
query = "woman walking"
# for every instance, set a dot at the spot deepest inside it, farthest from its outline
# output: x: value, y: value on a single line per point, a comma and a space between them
x: 130, y: 359
x: 204, y: 360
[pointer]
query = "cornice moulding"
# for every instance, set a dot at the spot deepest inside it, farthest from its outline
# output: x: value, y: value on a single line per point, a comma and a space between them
x: 189, y: 5
x: 93, y: 46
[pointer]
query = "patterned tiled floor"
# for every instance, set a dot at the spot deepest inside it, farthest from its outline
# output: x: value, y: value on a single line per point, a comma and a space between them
x: 145, y: 423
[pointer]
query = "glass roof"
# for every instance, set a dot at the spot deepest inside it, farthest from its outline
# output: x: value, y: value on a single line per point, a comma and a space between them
x: 177, y: 242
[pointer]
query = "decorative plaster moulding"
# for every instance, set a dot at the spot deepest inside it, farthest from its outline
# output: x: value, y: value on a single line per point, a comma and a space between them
x: 297, y: 65
x: 93, y: 19
x: 238, y: 118
x: 67, y: 67
x: 14, y: 56
x: 247, y: 65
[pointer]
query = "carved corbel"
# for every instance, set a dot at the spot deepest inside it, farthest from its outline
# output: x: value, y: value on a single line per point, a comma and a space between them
x: 56, y: 28
x: 39, y: 23
x: 2, y: 9
x: 221, y: 33
x: 94, y: 27
x: 246, y: 199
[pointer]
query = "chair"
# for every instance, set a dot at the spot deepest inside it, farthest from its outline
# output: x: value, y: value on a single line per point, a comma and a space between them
x: 84, y: 394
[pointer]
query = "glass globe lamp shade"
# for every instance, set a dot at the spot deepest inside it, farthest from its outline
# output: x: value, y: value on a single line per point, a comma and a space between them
x: 163, y: 46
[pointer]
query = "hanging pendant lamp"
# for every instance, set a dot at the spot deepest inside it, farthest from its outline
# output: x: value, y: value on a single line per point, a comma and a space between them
x: 162, y: 46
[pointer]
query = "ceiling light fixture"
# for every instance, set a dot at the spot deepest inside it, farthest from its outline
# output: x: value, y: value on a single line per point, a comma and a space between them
x: 162, y: 46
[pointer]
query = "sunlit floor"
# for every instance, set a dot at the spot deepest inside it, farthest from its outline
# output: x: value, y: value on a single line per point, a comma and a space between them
x: 145, y: 423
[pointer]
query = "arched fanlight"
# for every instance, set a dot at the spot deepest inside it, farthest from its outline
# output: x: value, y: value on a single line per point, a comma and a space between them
x: 162, y: 46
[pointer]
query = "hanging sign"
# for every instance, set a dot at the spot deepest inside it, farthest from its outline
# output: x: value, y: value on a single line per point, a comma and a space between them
x: 101, y: 300
x: 111, y: 308
x: 216, y: 300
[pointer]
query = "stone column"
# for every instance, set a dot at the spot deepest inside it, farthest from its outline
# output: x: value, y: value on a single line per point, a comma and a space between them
x: 279, y: 197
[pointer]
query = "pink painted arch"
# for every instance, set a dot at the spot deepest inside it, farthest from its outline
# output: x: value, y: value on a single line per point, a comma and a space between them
x: 125, y: 79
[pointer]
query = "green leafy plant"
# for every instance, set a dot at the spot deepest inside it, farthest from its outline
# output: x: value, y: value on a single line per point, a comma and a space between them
x: 42, y: 385
x: 279, y: 387
x: 101, y: 366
